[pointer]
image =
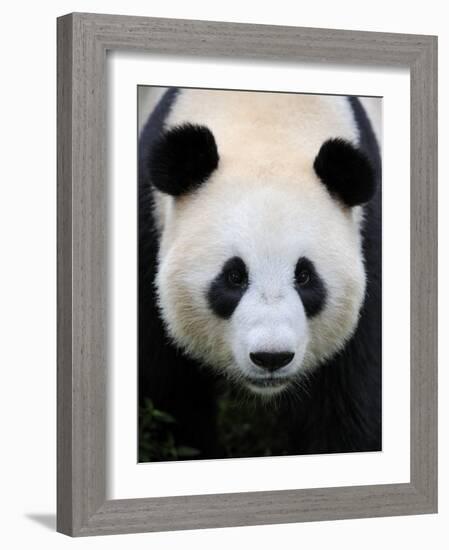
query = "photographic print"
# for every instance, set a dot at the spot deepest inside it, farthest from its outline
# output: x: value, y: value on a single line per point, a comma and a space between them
x: 256, y: 285
x: 260, y: 255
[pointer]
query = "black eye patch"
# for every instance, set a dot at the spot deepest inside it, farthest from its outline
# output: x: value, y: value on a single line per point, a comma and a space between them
x: 227, y: 289
x: 310, y: 287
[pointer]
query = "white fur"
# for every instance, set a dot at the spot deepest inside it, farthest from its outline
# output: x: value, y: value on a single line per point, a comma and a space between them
x: 266, y: 205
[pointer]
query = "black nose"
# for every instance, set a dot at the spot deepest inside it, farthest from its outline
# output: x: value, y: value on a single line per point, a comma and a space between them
x: 271, y: 361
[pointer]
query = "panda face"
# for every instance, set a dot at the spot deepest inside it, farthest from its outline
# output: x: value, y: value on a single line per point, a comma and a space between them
x: 260, y: 273
x: 253, y: 283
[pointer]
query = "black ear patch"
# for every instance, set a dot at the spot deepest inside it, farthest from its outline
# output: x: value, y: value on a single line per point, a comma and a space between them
x: 182, y: 158
x: 346, y: 172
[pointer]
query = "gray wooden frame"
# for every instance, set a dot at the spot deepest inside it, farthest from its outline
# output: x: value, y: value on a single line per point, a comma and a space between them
x: 83, y: 40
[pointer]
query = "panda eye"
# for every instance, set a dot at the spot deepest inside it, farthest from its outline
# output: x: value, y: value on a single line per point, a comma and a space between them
x: 303, y: 277
x: 309, y: 286
x: 236, y: 278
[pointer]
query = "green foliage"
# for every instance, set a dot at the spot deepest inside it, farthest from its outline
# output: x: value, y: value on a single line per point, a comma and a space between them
x: 156, y: 438
x: 246, y: 428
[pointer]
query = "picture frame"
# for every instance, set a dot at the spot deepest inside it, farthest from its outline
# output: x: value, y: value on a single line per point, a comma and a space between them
x: 83, y: 40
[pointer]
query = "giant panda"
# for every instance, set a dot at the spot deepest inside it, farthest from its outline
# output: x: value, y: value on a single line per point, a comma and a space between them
x: 260, y: 268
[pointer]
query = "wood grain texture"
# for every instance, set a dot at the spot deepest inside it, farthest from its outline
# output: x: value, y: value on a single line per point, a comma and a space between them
x: 64, y: 276
x: 83, y: 40
x: 423, y: 289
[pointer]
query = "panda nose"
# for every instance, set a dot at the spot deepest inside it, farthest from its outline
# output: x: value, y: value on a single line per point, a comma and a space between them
x: 271, y: 361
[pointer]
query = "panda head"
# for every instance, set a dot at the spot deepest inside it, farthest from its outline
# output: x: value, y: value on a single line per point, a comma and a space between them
x: 261, y: 272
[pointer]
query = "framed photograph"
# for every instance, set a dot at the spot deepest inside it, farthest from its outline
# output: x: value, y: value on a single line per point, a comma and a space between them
x: 247, y: 282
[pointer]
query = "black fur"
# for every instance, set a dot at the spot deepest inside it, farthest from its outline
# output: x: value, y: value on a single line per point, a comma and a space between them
x: 224, y: 295
x: 346, y: 172
x: 340, y: 407
x: 151, y: 132
x: 341, y: 410
x: 182, y: 158
x: 166, y: 375
x: 313, y: 292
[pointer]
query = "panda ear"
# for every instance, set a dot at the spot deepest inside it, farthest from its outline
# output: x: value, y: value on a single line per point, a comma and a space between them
x: 346, y: 172
x: 182, y: 158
